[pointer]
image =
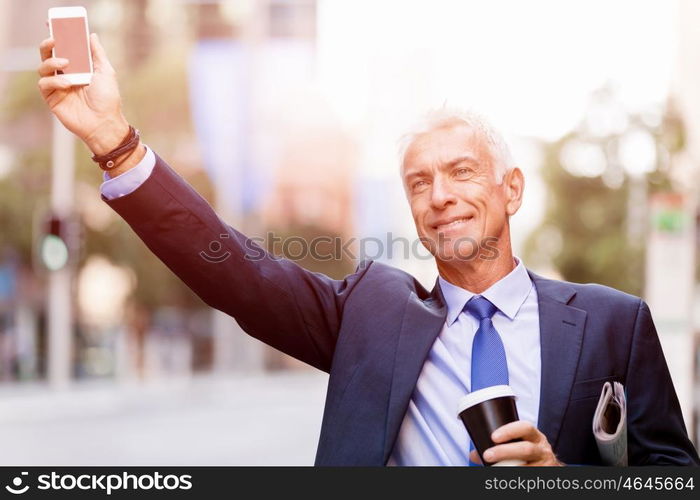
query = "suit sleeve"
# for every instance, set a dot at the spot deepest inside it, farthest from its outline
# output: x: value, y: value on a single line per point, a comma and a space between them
x: 129, y: 181
x: 273, y: 299
x: 656, y: 432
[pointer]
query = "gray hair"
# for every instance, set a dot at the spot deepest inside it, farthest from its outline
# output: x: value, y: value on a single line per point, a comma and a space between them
x: 436, y: 119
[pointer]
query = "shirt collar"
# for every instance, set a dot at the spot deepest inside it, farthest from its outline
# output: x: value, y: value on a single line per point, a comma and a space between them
x: 507, y: 294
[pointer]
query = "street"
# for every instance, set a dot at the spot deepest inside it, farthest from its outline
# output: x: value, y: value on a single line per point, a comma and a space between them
x: 271, y: 419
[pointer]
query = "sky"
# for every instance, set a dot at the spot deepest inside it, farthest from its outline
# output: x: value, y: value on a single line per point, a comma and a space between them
x: 529, y: 66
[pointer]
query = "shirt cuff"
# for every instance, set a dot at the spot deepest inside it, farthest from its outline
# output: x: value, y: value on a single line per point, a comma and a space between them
x: 130, y: 180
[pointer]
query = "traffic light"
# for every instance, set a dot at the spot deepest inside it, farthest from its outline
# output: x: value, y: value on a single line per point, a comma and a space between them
x: 54, y: 246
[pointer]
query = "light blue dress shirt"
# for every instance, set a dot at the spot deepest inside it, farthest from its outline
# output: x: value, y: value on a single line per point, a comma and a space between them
x: 431, y: 432
x: 127, y: 182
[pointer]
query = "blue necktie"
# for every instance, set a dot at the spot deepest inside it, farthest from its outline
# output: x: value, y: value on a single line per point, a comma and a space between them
x: 489, y: 363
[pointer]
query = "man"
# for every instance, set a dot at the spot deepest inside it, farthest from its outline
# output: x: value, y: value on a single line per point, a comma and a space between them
x: 400, y: 357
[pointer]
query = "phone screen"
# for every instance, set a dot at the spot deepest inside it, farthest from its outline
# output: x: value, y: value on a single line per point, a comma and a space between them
x: 70, y: 36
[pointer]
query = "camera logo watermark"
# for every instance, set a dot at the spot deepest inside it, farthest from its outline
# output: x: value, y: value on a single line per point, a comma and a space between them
x: 16, y: 488
x: 214, y: 256
x: 105, y: 483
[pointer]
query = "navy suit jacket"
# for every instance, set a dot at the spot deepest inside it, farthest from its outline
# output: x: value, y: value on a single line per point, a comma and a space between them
x: 373, y: 330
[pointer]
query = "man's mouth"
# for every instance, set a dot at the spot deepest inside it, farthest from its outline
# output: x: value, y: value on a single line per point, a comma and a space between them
x: 451, y: 224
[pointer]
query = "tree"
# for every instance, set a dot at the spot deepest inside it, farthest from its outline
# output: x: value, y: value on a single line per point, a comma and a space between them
x: 598, y: 178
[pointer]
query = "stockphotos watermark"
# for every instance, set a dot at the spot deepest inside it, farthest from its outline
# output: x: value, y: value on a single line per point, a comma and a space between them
x: 329, y: 248
x: 105, y: 483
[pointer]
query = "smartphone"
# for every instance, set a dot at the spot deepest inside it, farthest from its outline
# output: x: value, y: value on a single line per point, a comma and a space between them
x: 68, y: 26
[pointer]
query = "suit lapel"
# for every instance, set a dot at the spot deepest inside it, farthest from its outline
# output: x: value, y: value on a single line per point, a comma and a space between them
x: 561, y: 337
x: 422, y: 323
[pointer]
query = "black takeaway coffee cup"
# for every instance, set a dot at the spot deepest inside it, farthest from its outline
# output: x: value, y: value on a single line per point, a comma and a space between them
x: 483, y: 412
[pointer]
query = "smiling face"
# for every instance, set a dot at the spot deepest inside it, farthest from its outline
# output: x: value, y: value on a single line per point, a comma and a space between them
x: 456, y: 199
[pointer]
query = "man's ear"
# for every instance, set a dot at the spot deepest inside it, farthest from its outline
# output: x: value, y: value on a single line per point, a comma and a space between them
x: 513, y: 183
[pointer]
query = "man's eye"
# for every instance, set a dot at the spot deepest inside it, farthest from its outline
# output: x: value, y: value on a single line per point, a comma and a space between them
x: 463, y: 171
x: 418, y: 185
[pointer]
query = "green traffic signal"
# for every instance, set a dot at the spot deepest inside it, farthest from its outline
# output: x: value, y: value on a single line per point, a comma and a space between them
x: 54, y: 252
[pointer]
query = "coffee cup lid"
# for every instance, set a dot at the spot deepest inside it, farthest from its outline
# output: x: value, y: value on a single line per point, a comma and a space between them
x: 476, y: 397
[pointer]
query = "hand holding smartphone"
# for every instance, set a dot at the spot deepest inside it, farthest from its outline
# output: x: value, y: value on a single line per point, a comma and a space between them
x: 68, y: 27
x: 79, y: 84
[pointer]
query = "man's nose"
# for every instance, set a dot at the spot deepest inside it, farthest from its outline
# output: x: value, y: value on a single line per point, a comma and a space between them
x: 442, y: 194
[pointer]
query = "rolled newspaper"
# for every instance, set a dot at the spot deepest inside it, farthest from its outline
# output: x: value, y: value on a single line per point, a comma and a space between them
x: 610, y: 424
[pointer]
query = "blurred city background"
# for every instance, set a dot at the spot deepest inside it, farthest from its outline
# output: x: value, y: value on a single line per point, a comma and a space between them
x: 286, y: 115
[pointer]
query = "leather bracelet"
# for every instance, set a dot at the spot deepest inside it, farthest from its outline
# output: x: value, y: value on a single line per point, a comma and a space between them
x: 108, y: 161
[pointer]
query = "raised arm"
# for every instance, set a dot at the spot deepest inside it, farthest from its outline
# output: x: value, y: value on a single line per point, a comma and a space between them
x: 274, y: 300
x: 294, y: 310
